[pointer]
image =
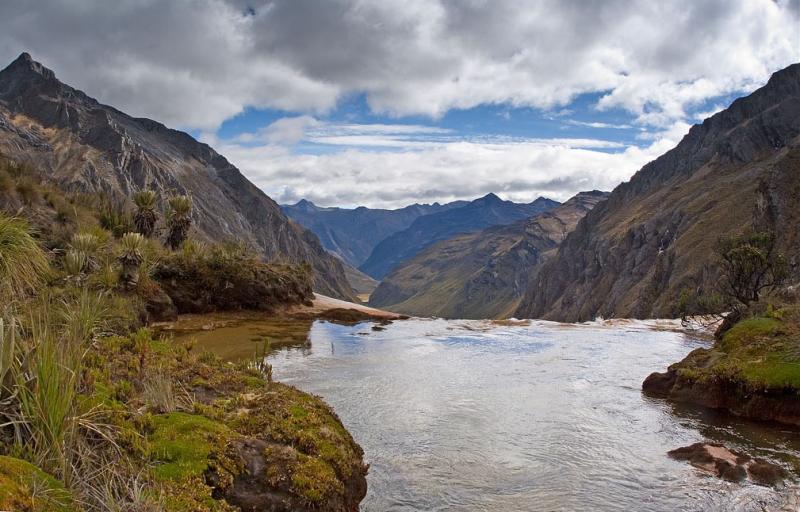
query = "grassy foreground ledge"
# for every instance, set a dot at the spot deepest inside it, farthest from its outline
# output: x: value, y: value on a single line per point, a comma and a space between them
x: 98, y: 413
x: 752, y: 370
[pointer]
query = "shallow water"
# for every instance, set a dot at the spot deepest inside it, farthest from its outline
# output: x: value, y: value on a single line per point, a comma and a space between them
x: 470, y: 415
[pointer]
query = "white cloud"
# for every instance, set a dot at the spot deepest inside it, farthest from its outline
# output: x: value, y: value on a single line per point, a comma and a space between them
x: 597, y: 124
x: 289, y: 131
x: 195, y: 64
x: 519, y: 170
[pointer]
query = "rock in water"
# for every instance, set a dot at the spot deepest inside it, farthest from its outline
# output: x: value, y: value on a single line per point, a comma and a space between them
x: 719, y: 461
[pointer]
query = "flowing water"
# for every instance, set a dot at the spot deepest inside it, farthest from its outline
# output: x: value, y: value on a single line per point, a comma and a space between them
x: 472, y: 415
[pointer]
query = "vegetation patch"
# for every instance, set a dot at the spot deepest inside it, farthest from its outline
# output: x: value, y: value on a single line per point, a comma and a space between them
x: 26, y: 488
x: 182, y: 444
x: 104, y: 414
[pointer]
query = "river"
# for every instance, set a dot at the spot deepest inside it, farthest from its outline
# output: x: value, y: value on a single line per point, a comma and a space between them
x: 475, y: 415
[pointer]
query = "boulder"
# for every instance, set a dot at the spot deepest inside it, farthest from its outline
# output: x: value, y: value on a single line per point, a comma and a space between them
x: 716, y: 459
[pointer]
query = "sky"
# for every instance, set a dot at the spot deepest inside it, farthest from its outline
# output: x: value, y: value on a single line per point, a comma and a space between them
x: 385, y: 103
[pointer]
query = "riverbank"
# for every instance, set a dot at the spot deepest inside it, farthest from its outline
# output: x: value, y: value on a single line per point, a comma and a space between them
x: 752, y: 370
x: 100, y: 411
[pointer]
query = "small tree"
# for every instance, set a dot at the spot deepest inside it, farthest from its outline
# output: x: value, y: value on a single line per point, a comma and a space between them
x: 131, y: 255
x: 145, y: 217
x: 179, y: 220
x: 749, y: 267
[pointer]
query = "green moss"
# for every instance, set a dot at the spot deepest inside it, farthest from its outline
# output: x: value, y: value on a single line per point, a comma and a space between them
x: 24, y: 487
x: 745, y: 333
x: 325, y: 451
x: 758, y: 353
x: 315, y: 480
x: 182, y: 444
x: 773, y: 372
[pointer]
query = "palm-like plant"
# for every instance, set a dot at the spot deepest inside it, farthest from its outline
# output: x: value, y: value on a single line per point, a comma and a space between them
x: 179, y: 220
x: 23, y: 263
x: 130, y: 256
x: 82, y: 256
x: 145, y: 217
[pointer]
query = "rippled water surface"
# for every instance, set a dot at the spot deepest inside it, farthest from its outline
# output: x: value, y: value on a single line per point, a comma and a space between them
x: 470, y: 415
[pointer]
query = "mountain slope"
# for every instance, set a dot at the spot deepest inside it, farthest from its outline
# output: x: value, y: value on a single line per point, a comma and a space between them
x: 482, y: 274
x: 352, y: 234
x: 86, y: 146
x: 652, y: 240
x: 479, y: 214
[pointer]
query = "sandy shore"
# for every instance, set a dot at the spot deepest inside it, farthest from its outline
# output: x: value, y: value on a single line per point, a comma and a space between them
x: 323, y: 303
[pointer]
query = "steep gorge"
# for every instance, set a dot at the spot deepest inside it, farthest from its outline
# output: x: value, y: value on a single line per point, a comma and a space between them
x: 481, y: 274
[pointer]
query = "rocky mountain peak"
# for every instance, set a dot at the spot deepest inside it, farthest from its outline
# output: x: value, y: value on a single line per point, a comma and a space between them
x: 306, y: 205
x: 25, y: 68
x: 490, y: 198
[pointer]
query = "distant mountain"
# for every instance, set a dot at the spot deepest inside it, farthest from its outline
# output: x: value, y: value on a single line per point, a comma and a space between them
x: 352, y: 234
x: 653, y: 240
x: 362, y: 284
x: 83, y: 145
x: 483, y: 274
x: 479, y: 214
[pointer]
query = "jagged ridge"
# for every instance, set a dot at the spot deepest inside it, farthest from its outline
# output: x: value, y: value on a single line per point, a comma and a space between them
x: 479, y: 214
x: 653, y: 238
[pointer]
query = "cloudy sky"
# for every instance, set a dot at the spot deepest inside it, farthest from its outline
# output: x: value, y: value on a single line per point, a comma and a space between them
x: 388, y: 102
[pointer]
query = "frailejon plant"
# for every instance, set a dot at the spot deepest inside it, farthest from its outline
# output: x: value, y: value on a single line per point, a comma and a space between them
x: 130, y: 256
x: 145, y: 217
x: 179, y: 220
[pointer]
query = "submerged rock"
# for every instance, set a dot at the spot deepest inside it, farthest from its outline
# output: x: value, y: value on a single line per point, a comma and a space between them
x: 716, y: 459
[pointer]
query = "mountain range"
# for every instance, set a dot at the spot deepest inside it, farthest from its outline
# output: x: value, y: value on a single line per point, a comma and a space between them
x: 352, y: 234
x: 652, y: 241
x: 482, y: 274
x: 476, y: 215
x: 86, y: 146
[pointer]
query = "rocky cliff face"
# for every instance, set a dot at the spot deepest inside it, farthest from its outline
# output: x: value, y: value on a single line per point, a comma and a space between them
x: 352, y: 234
x: 86, y: 146
x: 482, y: 274
x: 476, y: 215
x: 653, y: 238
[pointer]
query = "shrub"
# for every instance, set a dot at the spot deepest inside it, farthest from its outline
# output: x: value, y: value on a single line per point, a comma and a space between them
x: 114, y: 217
x: 158, y: 393
x: 749, y: 267
x: 28, y: 191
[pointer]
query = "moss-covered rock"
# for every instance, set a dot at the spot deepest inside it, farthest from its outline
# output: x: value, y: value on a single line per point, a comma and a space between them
x: 228, y: 280
x: 242, y: 441
x: 753, y: 370
x: 26, y: 488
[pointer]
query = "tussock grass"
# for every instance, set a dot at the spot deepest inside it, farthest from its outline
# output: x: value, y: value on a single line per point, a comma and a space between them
x: 23, y: 264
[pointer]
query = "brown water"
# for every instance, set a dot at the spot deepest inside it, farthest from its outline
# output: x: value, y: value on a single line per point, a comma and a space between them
x: 469, y: 415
